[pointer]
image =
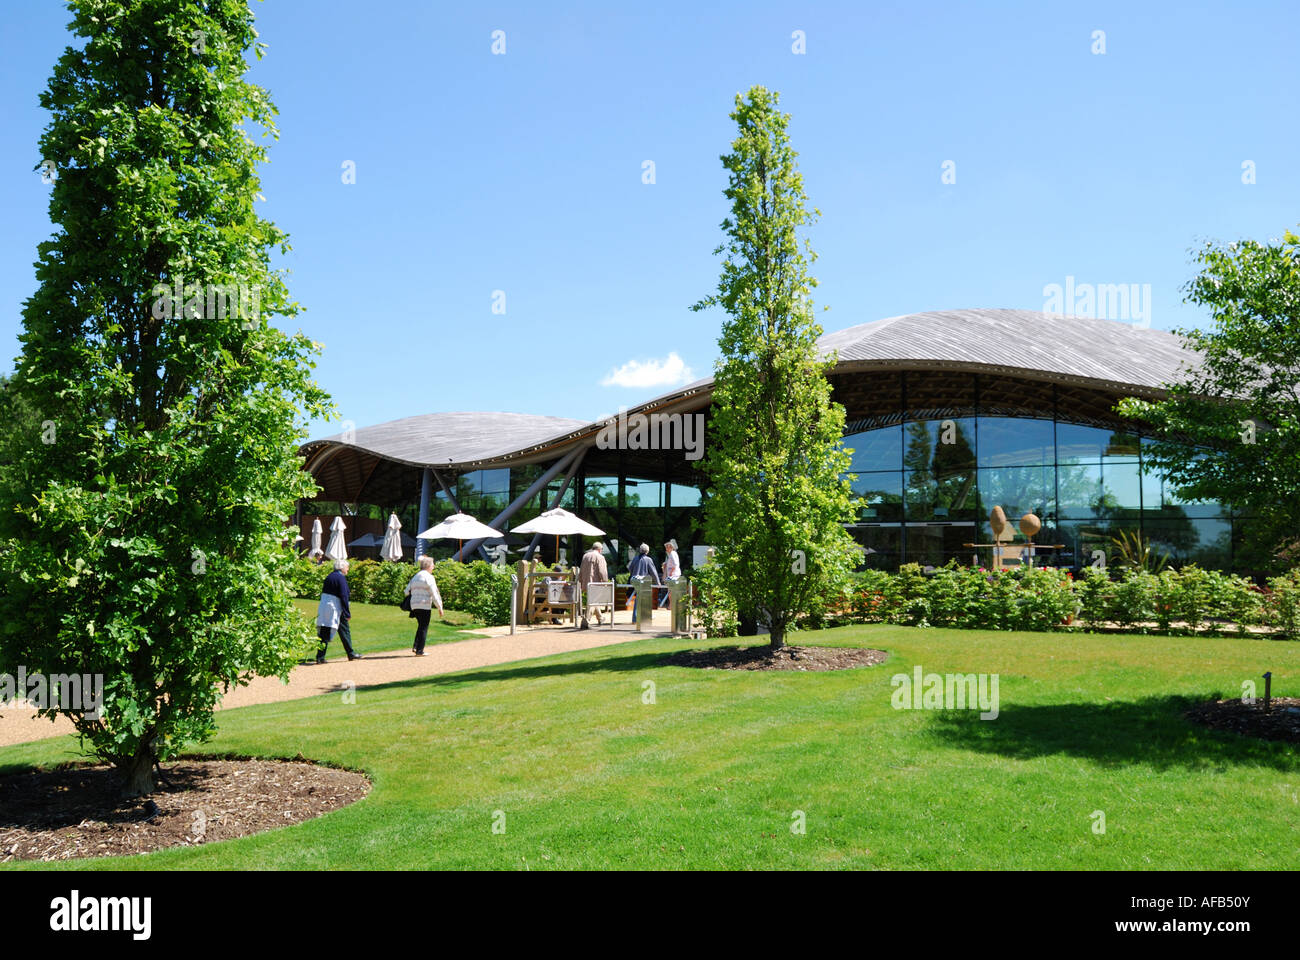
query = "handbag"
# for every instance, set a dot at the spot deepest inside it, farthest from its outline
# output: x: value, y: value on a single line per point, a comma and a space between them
x: 406, y: 603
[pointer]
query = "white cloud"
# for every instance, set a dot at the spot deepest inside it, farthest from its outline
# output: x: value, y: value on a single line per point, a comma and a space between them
x: 671, y: 371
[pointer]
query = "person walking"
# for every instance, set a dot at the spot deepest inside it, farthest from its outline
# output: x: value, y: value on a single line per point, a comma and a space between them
x: 672, y: 568
x: 334, y: 612
x: 423, y: 591
x: 593, y: 570
x: 643, y: 565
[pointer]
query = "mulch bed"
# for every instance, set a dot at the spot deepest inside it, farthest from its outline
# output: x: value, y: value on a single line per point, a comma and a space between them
x: 787, y: 658
x: 1282, y: 722
x: 77, y: 811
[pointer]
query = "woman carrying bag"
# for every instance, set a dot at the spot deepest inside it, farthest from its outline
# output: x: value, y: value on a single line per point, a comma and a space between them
x: 423, y: 591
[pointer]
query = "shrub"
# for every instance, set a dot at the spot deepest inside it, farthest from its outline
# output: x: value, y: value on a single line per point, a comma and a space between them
x: 1286, y: 603
x: 913, y: 606
x: 307, y: 577
x: 450, y: 576
x: 1239, y: 602
x: 873, y: 597
x: 1045, y: 599
x: 1133, y: 601
x: 713, y: 608
x: 999, y: 606
x: 1093, y: 589
x: 484, y: 593
x: 954, y: 596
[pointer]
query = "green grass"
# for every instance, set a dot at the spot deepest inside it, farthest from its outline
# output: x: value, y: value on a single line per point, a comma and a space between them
x: 377, y: 627
x: 589, y: 776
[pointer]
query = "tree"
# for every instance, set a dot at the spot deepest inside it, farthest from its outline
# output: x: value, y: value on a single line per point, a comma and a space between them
x: 145, y: 538
x: 1230, y: 429
x: 778, y: 492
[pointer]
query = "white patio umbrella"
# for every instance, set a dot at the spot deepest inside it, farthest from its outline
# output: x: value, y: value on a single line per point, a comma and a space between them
x: 459, y: 527
x: 315, y: 537
x: 336, y: 550
x: 392, y: 548
x: 559, y: 522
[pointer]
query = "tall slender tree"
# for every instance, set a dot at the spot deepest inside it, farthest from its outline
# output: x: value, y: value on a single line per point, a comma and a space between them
x: 778, y: 493
x: 143, y: 540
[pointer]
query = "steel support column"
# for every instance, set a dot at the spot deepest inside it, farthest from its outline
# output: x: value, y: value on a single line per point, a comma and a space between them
x: 422, y: 523
x: 522, y: 499
x: 573, y: 471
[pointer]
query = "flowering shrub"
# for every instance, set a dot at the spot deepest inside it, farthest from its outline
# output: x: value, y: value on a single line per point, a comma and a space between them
x: 1044, y: 599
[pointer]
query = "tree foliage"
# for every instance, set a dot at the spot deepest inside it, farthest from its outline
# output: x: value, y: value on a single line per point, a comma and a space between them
x: 145, y: 537
x: 1230, y: 429
x: 776, y: 465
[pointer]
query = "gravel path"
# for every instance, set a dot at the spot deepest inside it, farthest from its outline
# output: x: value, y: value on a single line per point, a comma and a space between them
x: 16, y: 726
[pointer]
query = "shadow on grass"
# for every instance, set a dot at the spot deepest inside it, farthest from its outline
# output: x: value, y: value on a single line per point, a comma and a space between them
x: 626, y: 664
x: 636, y: 663
x: 1151, y: 732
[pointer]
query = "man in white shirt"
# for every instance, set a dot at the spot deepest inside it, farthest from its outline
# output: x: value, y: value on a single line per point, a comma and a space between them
x: 672, y: 568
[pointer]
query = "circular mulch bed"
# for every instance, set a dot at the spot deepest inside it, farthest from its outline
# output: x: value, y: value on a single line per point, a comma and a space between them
x: 787, y: 658
x: 77, y: 811
x: 1282, y: 722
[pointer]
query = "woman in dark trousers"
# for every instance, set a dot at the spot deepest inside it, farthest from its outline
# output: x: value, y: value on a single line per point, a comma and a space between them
x: 423, y: 590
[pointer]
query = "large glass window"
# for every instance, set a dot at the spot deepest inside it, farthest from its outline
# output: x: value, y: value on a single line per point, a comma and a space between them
x: 879, y: 449
x: 935, y: 544
x: 882, y: 496
x: 939, y: 445
x: 941, y: 496
x: 1018, y: 490
x: 683, y: 496
x: 643, y: 515
x: 1079, y: 444
x: 1015, y: 442
x: 882, y: 544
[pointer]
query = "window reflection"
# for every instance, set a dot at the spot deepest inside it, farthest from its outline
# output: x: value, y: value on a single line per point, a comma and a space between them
x: 1015, y: 442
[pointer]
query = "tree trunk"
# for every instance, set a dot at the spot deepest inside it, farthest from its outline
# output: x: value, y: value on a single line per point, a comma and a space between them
x: 777, y: 635
x: 137, y: 772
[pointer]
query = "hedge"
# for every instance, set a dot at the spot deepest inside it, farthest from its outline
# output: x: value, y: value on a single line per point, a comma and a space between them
x: 479, y: 589
x: 1185, y: 601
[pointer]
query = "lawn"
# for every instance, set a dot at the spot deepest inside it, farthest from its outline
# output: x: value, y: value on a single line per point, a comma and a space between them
x: 377, y: 627
x: 583, y: 774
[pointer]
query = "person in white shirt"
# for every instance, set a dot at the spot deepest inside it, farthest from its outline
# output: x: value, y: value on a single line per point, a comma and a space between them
x: 423, y: 590
x: 672, y: 568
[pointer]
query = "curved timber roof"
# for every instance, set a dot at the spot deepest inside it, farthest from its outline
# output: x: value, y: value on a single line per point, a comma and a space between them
x: 1046, y: 346
x: 1115, y: 358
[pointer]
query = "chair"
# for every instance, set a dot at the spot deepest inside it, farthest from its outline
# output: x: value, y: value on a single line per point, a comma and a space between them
x: 601, y: 594
x: 562, y: 596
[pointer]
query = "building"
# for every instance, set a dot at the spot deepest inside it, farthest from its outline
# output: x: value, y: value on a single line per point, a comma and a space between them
x: 950, y: 413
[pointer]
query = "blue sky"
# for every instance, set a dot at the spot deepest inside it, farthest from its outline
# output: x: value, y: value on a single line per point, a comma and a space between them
x: 522, y: 172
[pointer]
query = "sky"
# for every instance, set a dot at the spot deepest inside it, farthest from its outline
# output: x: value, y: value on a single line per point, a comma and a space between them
x: 961, y: 155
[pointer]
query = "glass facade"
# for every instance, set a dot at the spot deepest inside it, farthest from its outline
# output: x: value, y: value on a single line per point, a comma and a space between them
x: 631, y: 510
x: 930, y: 484
x: 933, y: 452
